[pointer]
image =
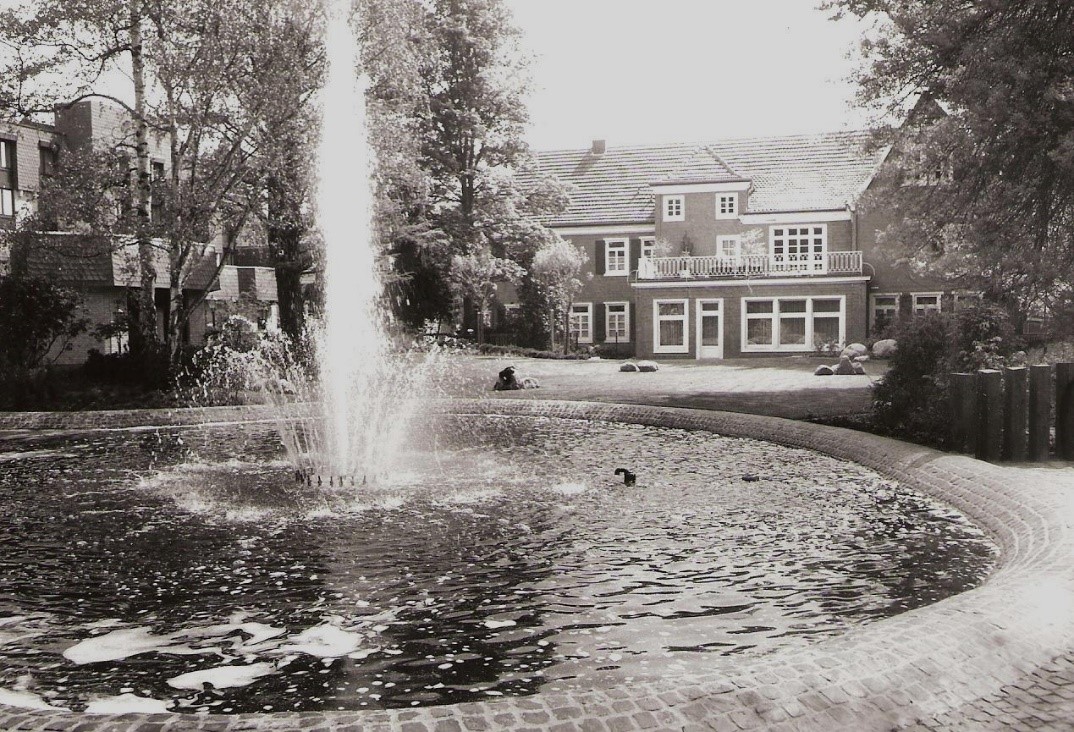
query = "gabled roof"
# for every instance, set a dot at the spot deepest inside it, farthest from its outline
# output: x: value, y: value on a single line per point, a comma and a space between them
x: 86, y: 260
x: 794, y: 173
x: 615, y: 186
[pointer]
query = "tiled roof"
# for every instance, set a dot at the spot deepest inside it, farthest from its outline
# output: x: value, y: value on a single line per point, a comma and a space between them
x: 803, y: 172
x: 794, y: 173
x: 615, y: 187
x: 83, y: 260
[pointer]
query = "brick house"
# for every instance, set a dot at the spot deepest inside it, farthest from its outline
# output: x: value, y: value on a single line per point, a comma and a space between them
x: 104, y: 272
x: 736, y: 248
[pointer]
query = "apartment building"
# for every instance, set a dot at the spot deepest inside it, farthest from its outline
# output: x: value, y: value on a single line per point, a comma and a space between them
x: 736, y: 248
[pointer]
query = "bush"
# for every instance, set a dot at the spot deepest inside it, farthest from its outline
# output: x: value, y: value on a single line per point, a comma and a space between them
x: 911, y: 402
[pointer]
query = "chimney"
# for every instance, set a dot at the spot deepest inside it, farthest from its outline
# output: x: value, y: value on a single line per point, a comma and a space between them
x: 598, y: 147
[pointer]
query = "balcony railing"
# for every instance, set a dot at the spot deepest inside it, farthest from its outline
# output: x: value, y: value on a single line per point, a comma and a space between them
x: 754, y: 265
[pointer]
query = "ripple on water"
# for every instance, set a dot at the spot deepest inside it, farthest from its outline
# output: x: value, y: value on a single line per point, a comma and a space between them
x: 188, y: 571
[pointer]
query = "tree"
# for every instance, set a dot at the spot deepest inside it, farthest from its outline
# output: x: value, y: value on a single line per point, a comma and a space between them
x: 213, y: 79
x: 394, y: 45
x: 988, y: 151
x: 37, y: 317
x: 556, y: 270
x: 447, y: 107
x: 476, y: 277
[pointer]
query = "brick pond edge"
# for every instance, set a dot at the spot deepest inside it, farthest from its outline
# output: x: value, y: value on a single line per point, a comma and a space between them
x: 928, y: 668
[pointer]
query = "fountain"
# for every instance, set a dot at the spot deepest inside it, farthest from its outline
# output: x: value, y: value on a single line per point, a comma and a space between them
x: 183, y: 570
x: 366, y: 392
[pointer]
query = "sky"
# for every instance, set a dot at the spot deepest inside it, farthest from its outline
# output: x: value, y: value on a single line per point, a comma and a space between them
x: 654, y: 71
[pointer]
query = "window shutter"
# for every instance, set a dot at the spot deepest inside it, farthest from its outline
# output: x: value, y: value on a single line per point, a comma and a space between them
x: 906, y: 305
x: 635, y: 254
x: 599, y: 257
x: 598, y: 322
x: 633, y: 325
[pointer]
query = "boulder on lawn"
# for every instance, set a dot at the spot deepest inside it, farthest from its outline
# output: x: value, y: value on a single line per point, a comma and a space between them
x: 859, y: 368
x: 823, y: 370
x: 855, y: 349
x: 628, y: 366
x: 845, y: 367
x: 648, y: 366
x: 885, y: 348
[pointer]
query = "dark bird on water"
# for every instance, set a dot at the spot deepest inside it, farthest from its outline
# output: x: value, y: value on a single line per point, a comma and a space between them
x: 628, y: 477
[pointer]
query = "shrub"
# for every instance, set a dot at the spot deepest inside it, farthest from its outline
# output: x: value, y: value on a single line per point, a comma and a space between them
x: 911, y: 402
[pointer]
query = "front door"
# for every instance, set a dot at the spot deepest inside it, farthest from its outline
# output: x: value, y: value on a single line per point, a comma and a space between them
x: 710, y: 328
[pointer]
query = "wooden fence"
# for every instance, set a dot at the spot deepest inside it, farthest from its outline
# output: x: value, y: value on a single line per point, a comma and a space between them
x: 1009, y: 414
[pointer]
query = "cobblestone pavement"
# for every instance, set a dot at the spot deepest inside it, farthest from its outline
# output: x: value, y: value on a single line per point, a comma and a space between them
x: 996, y: 657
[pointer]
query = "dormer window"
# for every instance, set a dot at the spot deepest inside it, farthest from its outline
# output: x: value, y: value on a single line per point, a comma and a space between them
x: 674, y: 208
x: 726, y: 205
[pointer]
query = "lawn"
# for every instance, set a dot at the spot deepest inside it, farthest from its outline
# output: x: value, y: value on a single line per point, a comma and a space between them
x: 778, y: 386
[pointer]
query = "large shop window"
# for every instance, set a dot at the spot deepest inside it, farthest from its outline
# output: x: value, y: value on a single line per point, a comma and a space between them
x: 582, y: 322
x: 799, y: 248
x: 670, y: 334
x: 792, y: 323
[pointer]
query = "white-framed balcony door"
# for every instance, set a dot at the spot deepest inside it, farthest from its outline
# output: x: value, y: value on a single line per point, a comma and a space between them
x: 709, y: 328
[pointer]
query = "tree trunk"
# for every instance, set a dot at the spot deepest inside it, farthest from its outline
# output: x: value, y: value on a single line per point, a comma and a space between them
x: 285, y: 233
x: 289, y: 294
x: 143, y: 333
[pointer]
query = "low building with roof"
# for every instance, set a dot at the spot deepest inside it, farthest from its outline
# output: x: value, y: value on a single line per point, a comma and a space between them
x: 105, y: 273
x: 104, y: 270
x: 733, y: 248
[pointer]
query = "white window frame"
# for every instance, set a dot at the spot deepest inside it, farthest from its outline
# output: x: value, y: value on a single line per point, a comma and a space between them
x: 8, y: 151
x: 7, y: 202
x: 701, y: 313
x: 684, y: 347
x: 619, y: 245
x: 648, y: 247
x: 736, y: 254
x: 587, y: 336
x: 776, y: 317
x: 731, y: 199
x: 813, y: 265
x: 674, y: 208
x: 922, y: 309
x: 625, y: 338
x: 873, y: 309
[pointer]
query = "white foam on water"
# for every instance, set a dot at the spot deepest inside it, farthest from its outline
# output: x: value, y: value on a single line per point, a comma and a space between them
x: 324, y: 641
x: 117, y: 645
x: 222, y: 677
x: 25, y: 700
x: 126, y: 704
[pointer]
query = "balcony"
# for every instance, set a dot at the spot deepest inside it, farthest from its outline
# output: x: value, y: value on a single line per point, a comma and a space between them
x: 750, y: 266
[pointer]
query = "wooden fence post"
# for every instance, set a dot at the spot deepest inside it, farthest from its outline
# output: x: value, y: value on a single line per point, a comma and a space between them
x: 1015, y: 445
x: 1064, y: 411
x: 1040, y: 411
x: 963, y: 413
x: 989, y: 414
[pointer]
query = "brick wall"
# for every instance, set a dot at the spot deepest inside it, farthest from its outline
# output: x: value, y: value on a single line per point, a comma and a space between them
x: 104, y: 126
x: 702, y: 227
x: 732, y: 294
